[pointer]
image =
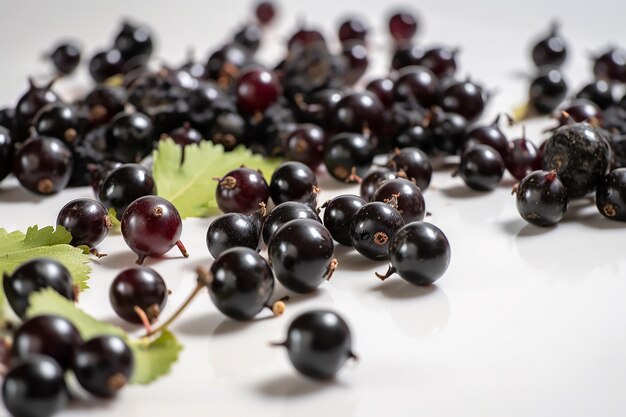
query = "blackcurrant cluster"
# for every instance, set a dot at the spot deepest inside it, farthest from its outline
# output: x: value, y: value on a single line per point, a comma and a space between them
x: 45, y: 347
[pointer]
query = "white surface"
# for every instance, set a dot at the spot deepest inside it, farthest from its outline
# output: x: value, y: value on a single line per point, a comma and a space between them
x: 526, y: 322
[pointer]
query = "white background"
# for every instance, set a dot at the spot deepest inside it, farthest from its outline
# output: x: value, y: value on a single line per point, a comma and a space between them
x: 526, y: 322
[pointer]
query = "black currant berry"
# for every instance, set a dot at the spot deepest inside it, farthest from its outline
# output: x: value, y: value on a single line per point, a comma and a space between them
x: 358, y: 112
x: 580, y: 110
x: 306, y: 144
x: 29, y: 105
x: 541, y: 198
x: 348, y: 156
x: 106, y: 64
x: 257, y: 89
x: 547, y: 91
x: 419, y: 252
x: 43, y: 165
x: 151, y: 226
x: 338, y: 216
x: 599, y: 92
x: 34, y: 388
x: 124, y: 185
x: 372, y: 228
x: 138, y: 294
x: 62, y: 121
x: 265, y: 11
x: 611, y: 65
x: 465, y: 98
x: 415, y: 165
x: 134, y: 43
x: 130, y: 137
x: 581, y: 155
x: 242, y: 283
x: 293, y: 181
x: 6, y: 152
x: 32, y: 276
x: 417, y: 84
x: 404, y: 196
x: 47, y: 335
x: 523, y: 157
x: 611, y: 195
x: 373, y: 180
x: 104, y: 103
x: 481, y: 168
x: 448, y: 131
x: 66, y: 57
x: 318, y: 343
x: 234, y: 229
x: 550, y: 50
x: 402, y: 26
x: 489, y: 134
x: 301, y: 255
x: 283, y: 213
x: 383, y: 88
x: 441, y: 61
x: 103, y: 365
x: 241, y: 191
x: 87, y: 220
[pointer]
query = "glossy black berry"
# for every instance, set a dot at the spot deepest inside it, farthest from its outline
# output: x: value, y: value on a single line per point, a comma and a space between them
x: 416, y: 136
x: 242, y: 283
x: 383, y: 88
x: 249, y: 36
x: 550, y: 50
x: 441, y: 61
x: 372, y: 228
x: 488, y: 134
x: 34, y: 388
x: 611, y: 195
x: 373, y: 180
x: 47, y: 335
x: 547, y: 91
x: 481, y: 168
x: 87, y: 220
x: 62, y: 121
x: 356, y: 59
x: 541, y: 198
x: 137, y: 291
x: 256, y: 90
x: 611, y: 65
x: 134, y: 42
x: 234, y: 229
x: 103, y: 365
x: 523, y: 157
x: 420, y: 253
x: 130, y: 137
x: 581, y: 155
x: 43, y: 165
x: 6, y: 152
x: 104, y: 103
x: 348, y: 154
x: 407, y: 54
x: 580, y: 110
x: 318, y: 343
x: 338, y: 216
x: 352, y: 29
x: 124, y: 185
x: 293, y: 181
x: 417, y: 84
x: 33, y: 276
x: 448, y: 130
x: 306, y: 144
x: 29, y: 105
x: 404, y: 196
x: 301, y: 255
x: 358, y: 112
x: 402, y: 26
x: 599, y: 92
x: 66, y: 57
x: 105, y: 64
x: 241, y: 191
x: 414, y: 163
x: 283, y: 213
x: 465, y: 98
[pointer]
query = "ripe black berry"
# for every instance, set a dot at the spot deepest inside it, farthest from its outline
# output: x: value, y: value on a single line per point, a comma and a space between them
x: 415, y: 165
x: 66, y: 57
x: 318, y: 343
x: 372, y: 228
x: 541, y: 198
x: 402, y: 26
x: 293, y: 181
x: 34, y: 388
x: 138, y: 293
x: 234, y: 229
x: 124, y: 185
x: 301, y: 255
x: 550, y: 50
x: 43, y: 165
x: 151, y: 226
x: 33, y: 276
x: 6, y: 152
x: 581, y: 154
x: 547, y: 91
x: 481, y: 168
x: 103, y: 365
x: 47, y: 335
x: 265, y: 12
x: 419, y: 252
x: 29, y: 105
x: 306, y: 144
x: 404, y: 196
x: 417, y: 84
x: 611, y: 65
x: 373, y: 180
x: 611, y: 195
x: 62, y: 121
x: 489, y: 134
x: 105, y: 64
x: 283, y: 213
x: 523, y: 157
x: 257, y: 89
x: 338, y: 216
x: 352, y: 30
x: 347, y: 155
x: 465, y: 98
x: 87, y: 220
x: 130, y: 137
x: 241, y: 191
x: 599, y: 92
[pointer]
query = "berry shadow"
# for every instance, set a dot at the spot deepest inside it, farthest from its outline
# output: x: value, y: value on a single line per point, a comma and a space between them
x: 351, y: 260
x: 396, y: 288
x: 291, y: 385
x: 117, y: 260
x: 214, y: 324
x: 531, y: 230
x: 462, y: 191
x: 18, y: 194
x: 295, y: 298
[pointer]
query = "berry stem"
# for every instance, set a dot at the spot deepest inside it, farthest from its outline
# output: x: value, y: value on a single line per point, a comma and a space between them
x: 390, y: 271
x: 144, y: 318
x: 182, y: 249
x: 332, y: 267
x: 97, y: 254
x: 204, y: 279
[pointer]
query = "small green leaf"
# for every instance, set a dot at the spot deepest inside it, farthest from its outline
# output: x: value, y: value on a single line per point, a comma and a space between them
x: 48, y: 242
x: 153, y: 358
x: 190, y: 186
x: 115, y: 224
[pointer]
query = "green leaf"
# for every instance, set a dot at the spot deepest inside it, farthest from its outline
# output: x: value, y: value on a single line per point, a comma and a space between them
x: 190, y: 186
x: 153, y: 358
x: 48, y: 242
x: 116, y: 225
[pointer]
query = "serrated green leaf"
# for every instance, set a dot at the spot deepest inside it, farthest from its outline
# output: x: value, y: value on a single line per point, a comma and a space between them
x: 153, y: 359
x: 190, y: 186
x: 47, y: 242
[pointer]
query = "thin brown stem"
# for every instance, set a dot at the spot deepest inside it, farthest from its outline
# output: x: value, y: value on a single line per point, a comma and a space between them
x: 390, y: 271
